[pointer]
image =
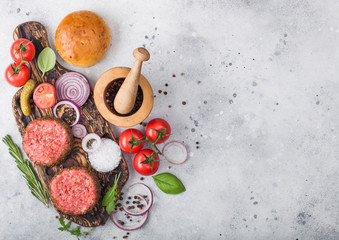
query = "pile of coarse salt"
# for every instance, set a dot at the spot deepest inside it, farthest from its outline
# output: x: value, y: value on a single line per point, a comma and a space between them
x: 107, y: 157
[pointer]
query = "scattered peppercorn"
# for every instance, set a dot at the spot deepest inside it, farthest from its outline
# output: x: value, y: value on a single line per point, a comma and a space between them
x: 182, y: 74
x: 173, y: 75
x: 166, y: 85
x: 121, y: 209
x: 183, y: 102
x: 130, y: 207
x: 142, y: 178
x: 169, y: 106
x: 169, y: 167
x: 121, y: 222
x: 159, y: 91
x: 127, y: 202
x: 118, y: 204
x: 197, y: 147
x: 198, y: 82
x: 56, y: 216
x: 129, y: 197
x: 125, y: 237
x: 165, y: 93
x: 196, y: 142
x: 127, y: 233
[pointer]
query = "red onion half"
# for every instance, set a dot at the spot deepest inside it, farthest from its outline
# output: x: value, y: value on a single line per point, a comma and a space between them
x: 79, y: 131
x: 138, y: 225
x: 175, y: 152
x: 148, y: 205
x: 68, y: 104
x: 73, y: 86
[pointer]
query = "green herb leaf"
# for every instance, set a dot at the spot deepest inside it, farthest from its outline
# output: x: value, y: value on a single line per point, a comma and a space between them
x: 25, y: 167
x: 168, y: 183
x: 75, y: 231
x: 110, y: 197
x: 46, y: 60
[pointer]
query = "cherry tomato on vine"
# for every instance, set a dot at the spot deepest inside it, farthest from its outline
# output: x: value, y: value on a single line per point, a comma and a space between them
x: 146, y: 162
x: 44, y: 95
x: 155, y: 127
x: 130, y: 140
x: 17, y: 76
x: 27, y: 49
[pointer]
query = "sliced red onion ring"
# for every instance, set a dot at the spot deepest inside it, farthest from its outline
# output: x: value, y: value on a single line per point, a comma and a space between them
x: 71, y: 104
x: 134, y: 227
x: 89, y: 137
x: 149, y: 205
x: 73, y: 86
x: 175, y: 152
x: 79, y: 131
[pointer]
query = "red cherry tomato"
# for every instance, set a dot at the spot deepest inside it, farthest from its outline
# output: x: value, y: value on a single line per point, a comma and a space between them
x: 20, y: 77
x: 44, y: 95
x: 27, y: 50
x: 158, y: 125
x: 128, y: 140
x: 151, y: 159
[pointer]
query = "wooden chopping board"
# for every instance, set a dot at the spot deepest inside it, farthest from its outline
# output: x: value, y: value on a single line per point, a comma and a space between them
x: 90, y: 117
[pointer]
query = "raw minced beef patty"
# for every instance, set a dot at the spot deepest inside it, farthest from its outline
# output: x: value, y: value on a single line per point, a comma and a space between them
x: 47, y: 141
x: 75, y: 191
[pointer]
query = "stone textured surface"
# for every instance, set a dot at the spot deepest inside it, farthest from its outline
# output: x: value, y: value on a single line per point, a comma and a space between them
x: 260, y: 82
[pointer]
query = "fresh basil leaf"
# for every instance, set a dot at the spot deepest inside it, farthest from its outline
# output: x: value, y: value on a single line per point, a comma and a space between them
x: 46, y: 60
x: 111, y: 196
x: 110, y: 208
x: 168, y: 183
x: 61, y: 229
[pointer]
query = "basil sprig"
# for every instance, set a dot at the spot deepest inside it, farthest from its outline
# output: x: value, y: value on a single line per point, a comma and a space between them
x: 46, y: 60
x: 168, y: 183
x: 111, y: 196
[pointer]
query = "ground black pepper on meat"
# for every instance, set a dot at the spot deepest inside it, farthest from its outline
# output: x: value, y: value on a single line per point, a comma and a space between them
x: 112, y: 90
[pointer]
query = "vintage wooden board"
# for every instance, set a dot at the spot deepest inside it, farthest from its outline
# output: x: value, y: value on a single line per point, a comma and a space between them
x: 90, y: 117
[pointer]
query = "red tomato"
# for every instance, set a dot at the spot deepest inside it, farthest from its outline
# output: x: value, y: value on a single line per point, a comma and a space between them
x: 44, y: 95
x: 128, y: 140
x: 20, y: 77
x: 143, y: 164
x: 154, y: 127
x: 27, y: 49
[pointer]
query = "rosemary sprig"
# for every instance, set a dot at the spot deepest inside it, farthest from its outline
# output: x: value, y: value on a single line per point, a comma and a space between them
x: 25, y: 167
x: 75, y: 231
x: 111, y: 196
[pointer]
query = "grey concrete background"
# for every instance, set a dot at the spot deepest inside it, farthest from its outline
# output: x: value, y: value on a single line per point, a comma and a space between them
x: 264, y: 113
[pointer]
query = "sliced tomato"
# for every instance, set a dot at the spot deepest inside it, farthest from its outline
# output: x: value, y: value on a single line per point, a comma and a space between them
x: 44, y: 95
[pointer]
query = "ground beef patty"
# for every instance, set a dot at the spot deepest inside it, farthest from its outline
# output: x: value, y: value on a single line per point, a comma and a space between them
x: 47, y: 141
x: 75, y: 190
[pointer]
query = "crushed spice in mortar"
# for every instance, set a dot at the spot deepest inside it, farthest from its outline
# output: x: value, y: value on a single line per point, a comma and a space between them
x: 112, y: 90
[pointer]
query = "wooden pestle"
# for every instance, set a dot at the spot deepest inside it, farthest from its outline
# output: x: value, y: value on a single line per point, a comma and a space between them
x: 125, y: 99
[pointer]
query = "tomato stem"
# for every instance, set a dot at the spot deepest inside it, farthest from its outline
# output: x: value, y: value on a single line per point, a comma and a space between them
x: 134, y: 142
x: 150, y: 159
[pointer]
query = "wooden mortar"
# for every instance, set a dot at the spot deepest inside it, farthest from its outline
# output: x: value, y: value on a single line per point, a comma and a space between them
x: 100, y: 99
